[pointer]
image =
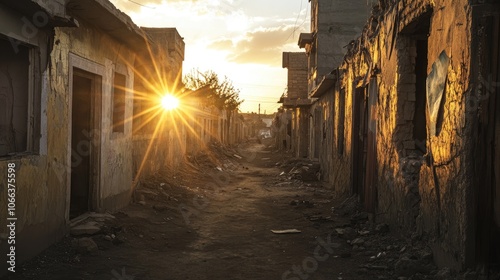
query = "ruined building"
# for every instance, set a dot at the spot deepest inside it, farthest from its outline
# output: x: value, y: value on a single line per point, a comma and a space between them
x: 333, y: 25
x: 80, y: 114
x: 407, y: 121
x: 294, y: 133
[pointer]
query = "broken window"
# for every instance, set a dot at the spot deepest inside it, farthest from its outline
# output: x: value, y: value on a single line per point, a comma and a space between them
x: 17, y: 113
x: 119, y: 87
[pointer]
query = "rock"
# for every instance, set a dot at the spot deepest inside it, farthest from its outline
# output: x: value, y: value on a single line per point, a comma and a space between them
x: 89, y: 228
x: 142, y: 202
x: 108, y: 238
x: 119, y: 240
x: 426, y: 255
x: 358, y: 241
x: 346, y: 233
x: 382, y: 228
x: 444, y: 273
x: 85, y: 245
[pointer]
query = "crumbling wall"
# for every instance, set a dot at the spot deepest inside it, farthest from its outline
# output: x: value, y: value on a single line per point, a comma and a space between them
x: 422, y: 185
x: 40, y: 192
x: 89, y: 44
x: 326, y: 122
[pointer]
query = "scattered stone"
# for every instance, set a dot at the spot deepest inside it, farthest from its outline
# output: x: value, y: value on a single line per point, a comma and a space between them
x: 358, y: 241
x: 294, y: 202
x: 89, y: 228
x: 382, y: 228
x: 119, y: 240
x: 426, y: 255
x: 142, y: 202
x: 85, y: 245
x: 363, y: 232
x: 444, y: 273
x: 108, y: 238
x: 346, y: 233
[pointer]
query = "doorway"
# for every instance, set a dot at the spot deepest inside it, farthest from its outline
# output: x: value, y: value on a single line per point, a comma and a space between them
x: 359, y: 136
x: 84, y: 142
x: 487, y: 188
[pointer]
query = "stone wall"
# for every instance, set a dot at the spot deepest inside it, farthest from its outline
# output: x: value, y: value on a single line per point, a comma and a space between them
x: 422, y: 180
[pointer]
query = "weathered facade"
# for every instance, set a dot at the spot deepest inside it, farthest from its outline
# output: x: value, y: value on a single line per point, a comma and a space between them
x: 72, y: 86
x: 80, y: 120
x: 411, y: 117
x: 159, y: 137
x: 296, y: 101
x: 333, y: 25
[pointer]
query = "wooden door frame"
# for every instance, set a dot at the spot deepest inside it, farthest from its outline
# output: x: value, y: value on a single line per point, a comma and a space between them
x: 96, y: 72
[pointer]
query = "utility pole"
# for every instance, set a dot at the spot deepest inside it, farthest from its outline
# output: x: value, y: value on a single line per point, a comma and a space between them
x: 259, y: 111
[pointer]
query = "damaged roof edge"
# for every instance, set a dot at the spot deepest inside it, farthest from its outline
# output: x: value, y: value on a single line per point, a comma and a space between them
x: 110, y: 19
x: 54, y: 11
x: 326, y: 83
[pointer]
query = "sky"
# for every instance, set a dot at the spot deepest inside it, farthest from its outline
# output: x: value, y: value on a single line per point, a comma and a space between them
x: 242, y: 40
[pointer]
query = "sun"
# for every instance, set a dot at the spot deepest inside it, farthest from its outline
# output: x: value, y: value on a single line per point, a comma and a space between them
x: 169, y: 102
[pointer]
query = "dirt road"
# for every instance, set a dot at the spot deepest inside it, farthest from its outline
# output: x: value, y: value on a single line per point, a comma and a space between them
x: 216, y: 224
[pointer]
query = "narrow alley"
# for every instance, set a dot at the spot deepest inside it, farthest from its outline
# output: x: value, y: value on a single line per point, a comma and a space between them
x: 220, y: 227
x: 230, y: 139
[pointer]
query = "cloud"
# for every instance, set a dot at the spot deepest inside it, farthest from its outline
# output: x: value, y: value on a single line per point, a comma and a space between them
x: 212, y: 7
x: 128, y: 6
x: 260, y: 46
x: 224, y: 44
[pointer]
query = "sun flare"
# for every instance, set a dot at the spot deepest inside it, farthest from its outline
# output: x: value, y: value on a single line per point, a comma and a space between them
x: 169, y: 102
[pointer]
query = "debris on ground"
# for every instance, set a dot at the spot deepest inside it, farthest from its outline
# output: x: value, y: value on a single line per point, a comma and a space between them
x: 285, y: 231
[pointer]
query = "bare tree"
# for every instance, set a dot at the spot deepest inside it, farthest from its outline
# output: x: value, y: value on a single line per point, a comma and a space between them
x: 221, y: 92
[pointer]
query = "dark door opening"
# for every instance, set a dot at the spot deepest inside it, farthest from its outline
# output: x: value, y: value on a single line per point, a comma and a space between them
x: 487, y: 189
x: 419, y: 118
x: 83, y: 144
x: 359, y: 134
